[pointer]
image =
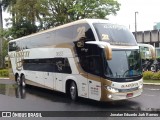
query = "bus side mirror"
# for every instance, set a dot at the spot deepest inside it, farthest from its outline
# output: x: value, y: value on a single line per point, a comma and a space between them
x: 104, y: 45
x: 108, y: 52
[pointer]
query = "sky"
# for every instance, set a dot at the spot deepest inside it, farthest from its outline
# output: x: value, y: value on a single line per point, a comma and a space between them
x: 148, y: 14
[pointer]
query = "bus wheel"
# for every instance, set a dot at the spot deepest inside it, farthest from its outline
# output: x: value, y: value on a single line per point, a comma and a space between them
x: 18, y: 80
x: 23, y: 82
x: 73, y: 91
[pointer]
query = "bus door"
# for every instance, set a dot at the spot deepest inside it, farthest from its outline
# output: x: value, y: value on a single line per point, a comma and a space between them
x: 91, y: 66
x: 90, y: 61
x: 94, y: 80
x: 83, y: 85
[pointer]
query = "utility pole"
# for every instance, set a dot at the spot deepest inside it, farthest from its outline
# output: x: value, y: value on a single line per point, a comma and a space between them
x: 136, y: 24
x: 1, y: 39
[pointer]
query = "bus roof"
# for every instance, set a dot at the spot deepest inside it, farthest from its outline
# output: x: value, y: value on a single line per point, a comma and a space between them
x: 89, y: 21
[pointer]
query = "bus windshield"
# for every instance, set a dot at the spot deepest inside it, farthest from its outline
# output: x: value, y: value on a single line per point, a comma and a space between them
x: 114, y: 34
x: 124, y: 64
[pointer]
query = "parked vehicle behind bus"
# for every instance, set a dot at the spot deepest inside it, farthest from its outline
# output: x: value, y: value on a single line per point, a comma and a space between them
x: 148, y: 55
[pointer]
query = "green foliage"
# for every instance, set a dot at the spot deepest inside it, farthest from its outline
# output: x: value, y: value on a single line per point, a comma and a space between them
x: 4, y: 43
x: 4, y: 48
x: 4, y: 73
x: 64, y: 11
x: 156, y: 76
x: 22, y: 29
x: 147, y: 75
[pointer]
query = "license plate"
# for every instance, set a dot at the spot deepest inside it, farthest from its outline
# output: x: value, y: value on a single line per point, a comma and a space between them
x: 129, y: 95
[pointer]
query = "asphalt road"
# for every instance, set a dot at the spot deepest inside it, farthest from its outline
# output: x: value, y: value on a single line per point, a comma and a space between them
x: 13, y: 98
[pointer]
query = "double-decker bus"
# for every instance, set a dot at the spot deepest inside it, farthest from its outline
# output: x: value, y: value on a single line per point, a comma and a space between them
x: 88, y: 58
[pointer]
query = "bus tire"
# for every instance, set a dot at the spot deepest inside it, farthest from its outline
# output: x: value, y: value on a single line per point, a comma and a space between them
x: 18, y: 80
x: 23, y: 81
x: 73, y: 91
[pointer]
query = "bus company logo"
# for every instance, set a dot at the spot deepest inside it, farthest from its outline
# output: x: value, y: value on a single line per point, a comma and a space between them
x: 105, y: 37
x: 19, y: 56
x: 81, y: 32
x: 83, y: 49
x: 80, y: 44
x: 130, y: 85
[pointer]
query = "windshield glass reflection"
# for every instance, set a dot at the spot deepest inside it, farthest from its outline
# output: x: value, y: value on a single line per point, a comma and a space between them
x: 124, y: 64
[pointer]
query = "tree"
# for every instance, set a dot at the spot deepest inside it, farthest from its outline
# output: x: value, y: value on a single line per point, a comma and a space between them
x: 29, y: 10
x: 64, y: 11
x: 8, y: 5
x: 25, y: 14
x: 50, y: 13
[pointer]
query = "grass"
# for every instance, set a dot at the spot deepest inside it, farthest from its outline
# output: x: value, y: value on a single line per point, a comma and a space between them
x: 4, y: 73
x: 3, y: 77
x: 151, y: 81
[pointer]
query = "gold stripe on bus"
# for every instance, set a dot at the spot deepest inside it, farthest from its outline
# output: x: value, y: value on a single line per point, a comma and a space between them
x: 104, y: 92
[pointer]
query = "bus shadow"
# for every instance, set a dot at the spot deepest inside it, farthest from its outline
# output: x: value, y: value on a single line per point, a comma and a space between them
x: 112, y: 105
x: 46, y: 94
x: 63, y: 98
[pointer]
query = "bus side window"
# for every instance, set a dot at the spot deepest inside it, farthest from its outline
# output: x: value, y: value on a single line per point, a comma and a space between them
x: 94, y: 66
x: 84, y: 63
x: 67, y: 67
x: 64, y: 35
x: 92, y: 62
x: 89, y: 35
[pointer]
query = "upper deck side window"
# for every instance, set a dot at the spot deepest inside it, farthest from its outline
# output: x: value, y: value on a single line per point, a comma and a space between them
x: 69, y: 34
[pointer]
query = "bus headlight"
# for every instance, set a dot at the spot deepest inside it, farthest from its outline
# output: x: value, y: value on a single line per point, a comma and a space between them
x: 111, y: 89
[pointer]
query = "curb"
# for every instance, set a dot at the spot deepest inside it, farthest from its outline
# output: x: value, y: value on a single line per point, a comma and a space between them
x: 151, y: 83
x: 4, y: 78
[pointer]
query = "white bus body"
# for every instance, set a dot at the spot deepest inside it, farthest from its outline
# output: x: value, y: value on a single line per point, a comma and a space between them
x: 72, y: 59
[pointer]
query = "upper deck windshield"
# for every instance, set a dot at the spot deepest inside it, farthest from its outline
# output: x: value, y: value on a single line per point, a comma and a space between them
x: 114, y: 34
x: 124, y: 64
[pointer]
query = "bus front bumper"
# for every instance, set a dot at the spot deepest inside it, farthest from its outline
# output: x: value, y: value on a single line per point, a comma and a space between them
x: 123, y: 96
